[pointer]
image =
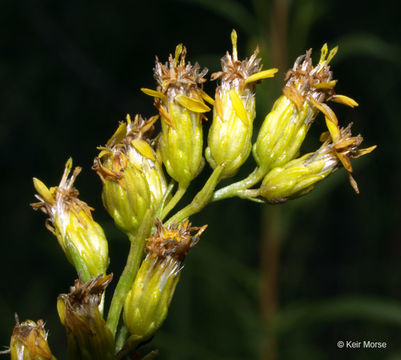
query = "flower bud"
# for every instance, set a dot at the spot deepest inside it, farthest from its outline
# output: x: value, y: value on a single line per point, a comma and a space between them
x: 230, y: 136
x: 29, y: 342
x: 70, y: 219
x: 88, y: 336
x: 180, y: 103
x: 132, y: 176
x: 299, y: 176
x: 285, y: 127
x: 147, y: 302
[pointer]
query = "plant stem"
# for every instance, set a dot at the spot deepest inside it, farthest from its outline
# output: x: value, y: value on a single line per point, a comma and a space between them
x: 129, y: 272
x: 234, y: 189
x: 174, y: 200
x: 201, y: 199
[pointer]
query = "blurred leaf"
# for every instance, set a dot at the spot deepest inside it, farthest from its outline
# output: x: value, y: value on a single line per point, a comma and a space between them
x: 305, y: 15
x: 222, y: 261
x: 231, y: 10
x: 367, y: 45
x: 338, y: 309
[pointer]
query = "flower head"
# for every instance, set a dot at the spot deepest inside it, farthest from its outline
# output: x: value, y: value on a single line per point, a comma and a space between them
x: 180, y: 100
x: 79, y: 312
x: 147, y: 302
x: 70, y: 219
x: 133, y: 180
x: 306, y: 89
x: 29, y: 341
x: 299, y: 176
x: 230, y: 136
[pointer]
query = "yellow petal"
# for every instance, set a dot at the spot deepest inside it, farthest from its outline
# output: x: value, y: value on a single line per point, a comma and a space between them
x: 327, y: 85
x: 238, y: 106
x: 154, y: 93
x: 192, y: 104
x: 326, y: 110
x: 346, y: 100
x: 261, y: 75
x: 144, y: 148
x: 365, y: 151
x: 118, y: 135
x: 43, y: 191
x: 206, y: 97
x: 219, y: 107
x: 149, y: 124
x: 333, y: 129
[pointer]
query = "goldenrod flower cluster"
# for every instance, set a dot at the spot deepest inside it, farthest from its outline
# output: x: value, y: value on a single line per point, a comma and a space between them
x: 146, y: 175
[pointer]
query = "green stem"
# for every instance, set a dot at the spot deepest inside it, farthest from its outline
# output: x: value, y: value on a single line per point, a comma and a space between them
x: 235, y: 189
x: 129, y: 272
x: 121, y: 337
x: 201, y: 199
x: 174, y: 200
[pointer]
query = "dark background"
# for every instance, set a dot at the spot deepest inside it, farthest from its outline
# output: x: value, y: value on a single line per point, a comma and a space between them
x: 282, y: 282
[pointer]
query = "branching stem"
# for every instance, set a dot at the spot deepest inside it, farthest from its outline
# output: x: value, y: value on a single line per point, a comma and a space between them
x: 129, y: 272
x: 236, y: 188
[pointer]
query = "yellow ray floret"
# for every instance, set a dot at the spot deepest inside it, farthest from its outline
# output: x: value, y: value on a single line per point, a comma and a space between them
x: 261, y: 75
x: 192, y: 104
x: 143, y: 148
x: 345, y: 100
x: 206, y: 97
x: 154, y: 93
x: 239, y: 106
x: 328, y: 85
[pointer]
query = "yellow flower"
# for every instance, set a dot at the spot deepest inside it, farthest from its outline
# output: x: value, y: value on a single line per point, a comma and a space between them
x: 304, y: 94
x: 29, y: 342
x: 132, y: 176
x: 70, y: 219
x: 230, y: 136
x: 147, y: 303
x: 86, y: 329
x: 180, y: 102
x: 299, y: 176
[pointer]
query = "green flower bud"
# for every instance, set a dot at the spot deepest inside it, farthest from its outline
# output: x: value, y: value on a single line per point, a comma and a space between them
x: 81, y: 238
x: 147, y: 302
x: 29, y: 342
x: 285, y: 127
x: 230, y: 136
x: 299, y: 176
x: 180, y: 103
x: 88, y: 337
x: 132, y: 176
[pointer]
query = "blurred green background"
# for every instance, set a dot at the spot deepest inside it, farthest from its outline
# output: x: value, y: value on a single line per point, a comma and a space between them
x: 267, y: 283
